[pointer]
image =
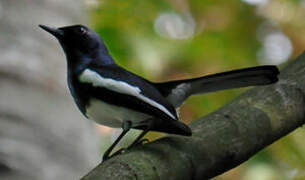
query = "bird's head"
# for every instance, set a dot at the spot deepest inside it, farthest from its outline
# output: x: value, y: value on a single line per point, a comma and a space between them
x: 78, y: 40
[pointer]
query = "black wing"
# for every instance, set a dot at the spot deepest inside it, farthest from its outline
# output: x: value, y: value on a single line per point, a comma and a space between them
x: 129, y: 101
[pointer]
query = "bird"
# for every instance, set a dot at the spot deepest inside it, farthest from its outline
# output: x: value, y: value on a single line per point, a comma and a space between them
x: 113, y: 96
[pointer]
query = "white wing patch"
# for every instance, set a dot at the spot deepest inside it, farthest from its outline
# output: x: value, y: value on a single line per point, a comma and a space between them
x: 112, y: 115
x: 90, y: 76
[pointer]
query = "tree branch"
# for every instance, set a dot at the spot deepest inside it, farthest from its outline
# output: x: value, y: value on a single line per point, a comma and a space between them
x: 221, y: 140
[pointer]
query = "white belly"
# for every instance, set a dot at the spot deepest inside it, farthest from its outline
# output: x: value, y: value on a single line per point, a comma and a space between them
x: 113, y: 116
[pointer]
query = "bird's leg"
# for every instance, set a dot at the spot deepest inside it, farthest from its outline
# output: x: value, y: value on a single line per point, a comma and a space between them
x: 139, y: 139
x: 126, y: 127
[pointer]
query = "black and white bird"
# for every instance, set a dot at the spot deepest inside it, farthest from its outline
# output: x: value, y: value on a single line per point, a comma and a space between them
x: 115, y: 97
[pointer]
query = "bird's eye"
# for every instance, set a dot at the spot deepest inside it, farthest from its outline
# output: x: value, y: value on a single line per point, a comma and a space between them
x: 82, y: 31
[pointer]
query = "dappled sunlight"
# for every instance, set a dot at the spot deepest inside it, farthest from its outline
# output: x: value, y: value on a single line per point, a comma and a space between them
x: 277, y: 49
x: 256, y: 2
x: 176, y: 26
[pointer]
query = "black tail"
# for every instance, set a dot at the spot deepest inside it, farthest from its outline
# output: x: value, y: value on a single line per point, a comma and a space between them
x: 173, y: 127
x: 178, y: 91
x: 169, y: 126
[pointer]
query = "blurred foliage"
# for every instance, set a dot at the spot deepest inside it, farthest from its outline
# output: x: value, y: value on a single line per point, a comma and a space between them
x: 226, y: 36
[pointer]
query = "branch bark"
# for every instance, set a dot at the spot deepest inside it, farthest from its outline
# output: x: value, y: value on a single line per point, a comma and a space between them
x: 221, y: 140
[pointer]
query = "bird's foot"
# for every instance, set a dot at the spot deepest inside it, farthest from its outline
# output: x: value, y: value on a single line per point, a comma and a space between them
x: 123, y: 150
x: 140, y: 142
x: 120, y: 151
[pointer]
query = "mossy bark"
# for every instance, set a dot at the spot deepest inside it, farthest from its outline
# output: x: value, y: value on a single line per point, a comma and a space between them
x: 221, y: 140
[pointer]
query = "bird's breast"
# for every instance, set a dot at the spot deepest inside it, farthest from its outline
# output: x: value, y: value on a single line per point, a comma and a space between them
x: 112, y: 115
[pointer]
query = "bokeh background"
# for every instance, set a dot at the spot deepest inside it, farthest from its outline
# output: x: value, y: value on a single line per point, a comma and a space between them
x: 42, y: 134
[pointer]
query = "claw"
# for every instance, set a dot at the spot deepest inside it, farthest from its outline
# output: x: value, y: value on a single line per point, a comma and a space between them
x: 140, y: 142
x: 120, y: 151
x: 143, y: 141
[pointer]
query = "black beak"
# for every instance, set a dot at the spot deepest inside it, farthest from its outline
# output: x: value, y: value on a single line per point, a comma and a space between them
x: 54, y: 31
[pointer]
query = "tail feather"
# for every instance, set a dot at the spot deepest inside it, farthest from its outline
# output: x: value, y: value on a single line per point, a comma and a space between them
x: 261, y: 75
x: 178, y: 91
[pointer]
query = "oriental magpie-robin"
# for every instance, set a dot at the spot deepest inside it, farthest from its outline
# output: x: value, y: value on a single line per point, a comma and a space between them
x: 115, y: 97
